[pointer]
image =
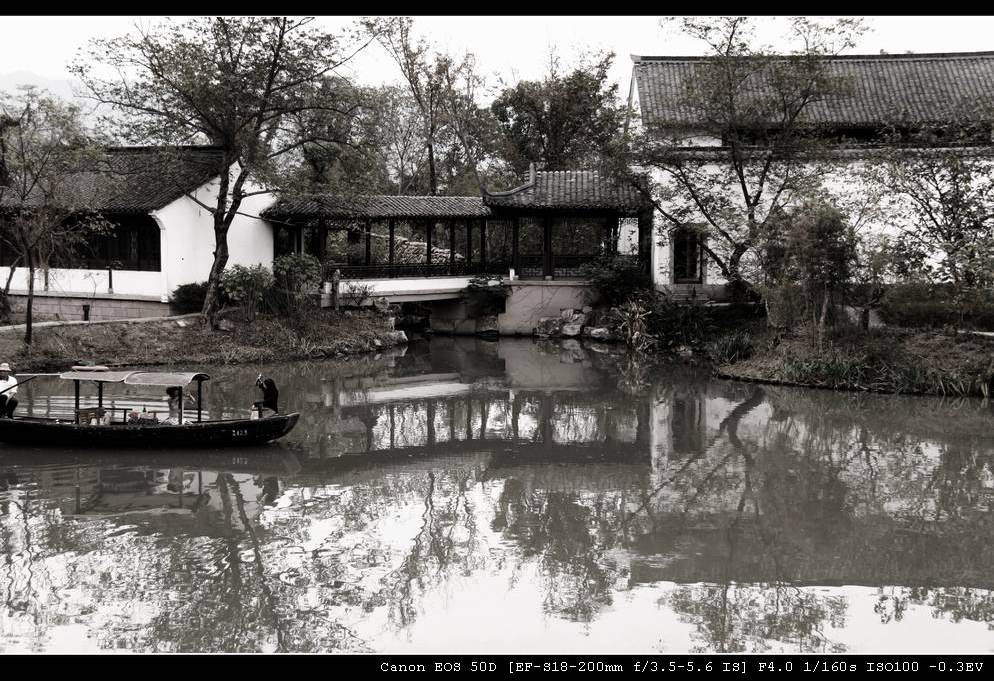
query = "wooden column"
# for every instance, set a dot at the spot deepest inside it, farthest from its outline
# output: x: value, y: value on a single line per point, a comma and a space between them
x: 515, y: 237
x: 452, y: 246
x: 431, y: 422
x: 428, y: 229
x: 547, y: 262
x: 393, y: 428
x: 322, y: 240
x: 546, y: 414
x: 483, y: 243
x: 469, y: 241
x: 645, y: 240
x: 390, y: 248
x: 369, y: 242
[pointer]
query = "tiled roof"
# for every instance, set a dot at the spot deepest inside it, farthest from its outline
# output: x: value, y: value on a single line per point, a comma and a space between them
x: 376, y: 206
x: 567, y: 190
x: 877, y: 88
x: 139, y: 179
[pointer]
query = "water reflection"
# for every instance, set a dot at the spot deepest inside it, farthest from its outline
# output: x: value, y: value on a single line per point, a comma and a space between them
x: 463, y: 495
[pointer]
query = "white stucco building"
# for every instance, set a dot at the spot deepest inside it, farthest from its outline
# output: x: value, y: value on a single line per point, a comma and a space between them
x: 876, y: 90
x: 163, y: 236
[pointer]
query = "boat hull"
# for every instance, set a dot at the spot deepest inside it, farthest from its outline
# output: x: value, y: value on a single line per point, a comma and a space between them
x: 208, y: 434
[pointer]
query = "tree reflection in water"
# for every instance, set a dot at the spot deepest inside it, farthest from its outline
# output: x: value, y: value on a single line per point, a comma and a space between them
x: 579, y: 477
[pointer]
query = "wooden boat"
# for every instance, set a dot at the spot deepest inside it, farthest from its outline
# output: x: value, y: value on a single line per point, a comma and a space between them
x: 112, y: 428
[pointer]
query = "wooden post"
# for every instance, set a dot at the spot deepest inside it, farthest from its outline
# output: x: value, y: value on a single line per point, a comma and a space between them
x: 452, y: 246
x: 336, y: 281
x: 428, y: 229
x: 515, y: 237
x: 323, y: 240
x: 645, y: 240
x: 483, y: 243
x: 393, y: 428
x: 469, y: 241
x: 369, y: 242
x: 431, y: 421
x: 390, y: 255
x: 547, y: 261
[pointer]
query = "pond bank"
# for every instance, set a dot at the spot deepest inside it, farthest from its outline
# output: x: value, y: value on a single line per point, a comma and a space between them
x: 267, y: 339
x: 882, y: 360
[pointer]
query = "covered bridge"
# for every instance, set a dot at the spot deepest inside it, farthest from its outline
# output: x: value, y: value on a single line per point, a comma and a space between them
x: 546, y: 228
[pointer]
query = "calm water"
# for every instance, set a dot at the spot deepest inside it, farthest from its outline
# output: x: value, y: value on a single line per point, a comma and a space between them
x: 466, y: 496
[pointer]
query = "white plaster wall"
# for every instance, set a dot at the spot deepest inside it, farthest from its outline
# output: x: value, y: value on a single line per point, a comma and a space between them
x: 85, y: 283
x: 187, y: 250
x: 842, y: 187
x: 385, y: 287
x: 187, y: 233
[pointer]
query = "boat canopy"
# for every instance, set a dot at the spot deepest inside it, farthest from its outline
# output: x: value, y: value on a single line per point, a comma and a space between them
x: 151, y: 378
x: 166, y: 378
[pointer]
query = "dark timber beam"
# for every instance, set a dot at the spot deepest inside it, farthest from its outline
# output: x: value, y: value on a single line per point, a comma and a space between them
x: 369, y: 242
x: 469, y: 241
x: 483, y: 243
x: 390, y: 255
x: 515, y: 237
x: 429, y: 227
x: 452, y: 246
x: 547, y: 261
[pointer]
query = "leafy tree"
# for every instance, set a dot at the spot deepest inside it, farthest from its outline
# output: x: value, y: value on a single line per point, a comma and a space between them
x: 753, y: 102
x: 563, y: 121
x: 456, y: 134
x: 45, y: 214
x: 236, y: 83
x: 938, y: 189
x: 344, y: 148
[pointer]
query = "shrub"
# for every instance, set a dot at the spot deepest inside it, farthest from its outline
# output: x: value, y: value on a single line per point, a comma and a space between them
x: 246, y: 286
x: 731, y: 348
x: 355, y: 293
x: 933, y: 306
x: 485, y: 295
x: 297, y: 272
x: 614, y: 280
x: 678, y: 324
x: 188, y: 298
x: 297, y: 277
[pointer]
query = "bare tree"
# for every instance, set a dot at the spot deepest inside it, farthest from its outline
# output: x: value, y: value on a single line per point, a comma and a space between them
x: 235, y: 83
x: 44, y: 211
x: 753, y: 102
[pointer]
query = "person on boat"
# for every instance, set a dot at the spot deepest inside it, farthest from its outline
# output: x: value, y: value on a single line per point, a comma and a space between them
x: 270, y: 395
x: 8, y: 389
x: 174, y: 402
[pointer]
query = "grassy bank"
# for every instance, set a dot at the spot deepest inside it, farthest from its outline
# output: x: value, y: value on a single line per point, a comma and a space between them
x: 321, y: 334
x: 881, y: 360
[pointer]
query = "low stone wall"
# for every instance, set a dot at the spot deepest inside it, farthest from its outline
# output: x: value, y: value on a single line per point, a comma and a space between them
x: 529, y: 301
x: 71, y: 308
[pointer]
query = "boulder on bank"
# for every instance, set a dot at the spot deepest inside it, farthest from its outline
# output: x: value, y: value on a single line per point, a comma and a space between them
x: 549, y: 327
x: 598, y: 333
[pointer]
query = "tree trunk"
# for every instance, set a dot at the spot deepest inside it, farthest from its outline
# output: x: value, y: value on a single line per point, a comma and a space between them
x: 28, y: 330
x: 740, y: 287
x: 822, y: 318
x: 432, y: 180
x: 212, y: 299
x: 5, y: 306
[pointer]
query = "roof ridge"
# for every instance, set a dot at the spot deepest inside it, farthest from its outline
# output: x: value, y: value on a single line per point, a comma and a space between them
x: 889, y: 56
x: 160, y: 147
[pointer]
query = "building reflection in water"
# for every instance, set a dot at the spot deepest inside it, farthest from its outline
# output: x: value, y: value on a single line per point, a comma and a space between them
x: 523, y: 473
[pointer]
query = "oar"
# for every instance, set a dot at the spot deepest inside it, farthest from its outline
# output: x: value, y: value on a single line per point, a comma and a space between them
x: 20, y: 383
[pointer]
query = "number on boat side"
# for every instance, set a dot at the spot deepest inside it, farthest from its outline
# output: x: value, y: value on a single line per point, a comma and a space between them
x: 239, y: 433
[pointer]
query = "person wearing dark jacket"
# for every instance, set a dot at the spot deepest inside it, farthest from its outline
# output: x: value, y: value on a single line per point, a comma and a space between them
x: 270, y: 395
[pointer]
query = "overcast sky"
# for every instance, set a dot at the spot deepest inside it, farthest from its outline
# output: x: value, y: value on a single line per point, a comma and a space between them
x: 509, y: 48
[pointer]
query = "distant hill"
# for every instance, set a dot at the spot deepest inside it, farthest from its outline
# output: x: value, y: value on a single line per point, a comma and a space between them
x: 61, y: 87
